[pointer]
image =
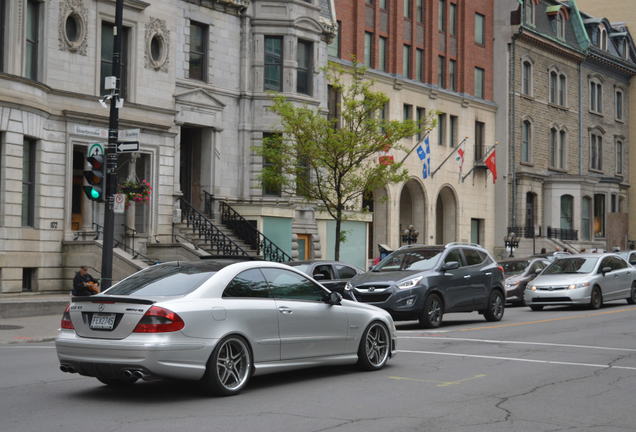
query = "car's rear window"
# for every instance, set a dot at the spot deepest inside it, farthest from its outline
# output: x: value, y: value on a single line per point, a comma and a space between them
x: 162, y: 280
x: 410, y: 259
x: 512, y: 267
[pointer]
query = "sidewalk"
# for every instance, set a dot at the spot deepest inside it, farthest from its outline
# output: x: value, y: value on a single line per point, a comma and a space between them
x: 29, y: 329
x: 32, y: 305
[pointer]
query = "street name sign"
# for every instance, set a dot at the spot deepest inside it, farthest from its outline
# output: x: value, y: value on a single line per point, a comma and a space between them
x: 97, y: 132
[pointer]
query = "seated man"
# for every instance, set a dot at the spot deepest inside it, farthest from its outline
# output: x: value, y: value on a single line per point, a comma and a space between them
x: 84, y: 284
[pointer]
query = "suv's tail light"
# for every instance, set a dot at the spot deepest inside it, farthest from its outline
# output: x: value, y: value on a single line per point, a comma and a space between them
x: 502, y: 270
x: 159, y: 320
x: 66, y: 319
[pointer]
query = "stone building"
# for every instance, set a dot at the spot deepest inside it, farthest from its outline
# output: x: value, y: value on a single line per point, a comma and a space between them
x: 195, y: 80
x: 447, y: 73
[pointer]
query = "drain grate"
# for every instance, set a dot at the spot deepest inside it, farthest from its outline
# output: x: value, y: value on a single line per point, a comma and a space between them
x: 10, y: 327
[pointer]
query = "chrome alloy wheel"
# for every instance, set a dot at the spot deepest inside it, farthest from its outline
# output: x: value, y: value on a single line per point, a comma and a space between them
x: 233, y: 363
x: 435, y: 311
x: 497, y: 307
x: 377, y: 344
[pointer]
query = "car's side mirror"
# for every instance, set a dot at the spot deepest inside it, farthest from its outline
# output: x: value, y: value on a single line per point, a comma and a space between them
x: 606, y: 270
x: 334, y: 298
x: 451, y: 265
x: 537, y: 271
x: 319, y: 276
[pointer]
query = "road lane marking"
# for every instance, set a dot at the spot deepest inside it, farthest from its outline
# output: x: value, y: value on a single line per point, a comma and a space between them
x: 491, y: 341
x: 548, y: 320
x: 600, y: 366
x: 437, y: 382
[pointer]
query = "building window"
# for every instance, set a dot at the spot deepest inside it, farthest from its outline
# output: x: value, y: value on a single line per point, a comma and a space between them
x: 480, y: 29
x: 526, y: 78
x: 596, y: 97
x: 553, y: 147
x: 441, y: 129
x: 406, y: 61
x: 270, y: 142
x: 586, y: 217
x: 603, y: 39
x: 334, y: 46
x: 197, y: 60
x: 554, y: 87
x: 619, y: 105
x: 476, y: 230
x: 562, y: 90
x: 419, y: 5
x: 419, y: 64
x: 453, y: 75
x: 106, y: 66
x: 28, y: 182
x: 619, y: 157
x: 32, y: 54
x: 596, y: 152
x: 273, y: 63
x: 560, y: 26
x: 368, y: 49
x: 567, y: 212
x: 383, y: 4
x: 408, y: 112
x: 441, y: 72
x: 454, y: 130
x: 452, y: 18
x: 479, y: 83
x: 526, y: 141
x: 421, y: 117
x: 408, y: 5
x: 562, y: 150
x: 480, y: 129
x: 529, y: 12
x: 304, y: 72
x: 382, y: 53
x: 599, y: 215
x: 441, y: 16
x: 28, y: 279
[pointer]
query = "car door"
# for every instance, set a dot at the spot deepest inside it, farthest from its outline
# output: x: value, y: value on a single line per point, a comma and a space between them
x: 308, y: 326
x: 455, y: 284
x: 623, y: 275
x: 609, y: 282
x: 480, y: 276
x: 324, y: 273
x: 251, y: 308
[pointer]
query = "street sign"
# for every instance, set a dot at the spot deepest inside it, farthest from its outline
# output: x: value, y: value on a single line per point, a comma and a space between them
x: 119, y: 203
x: 97, y: 132
x: 129, y: 134
x: 127, y: 146
x: 95, y: 149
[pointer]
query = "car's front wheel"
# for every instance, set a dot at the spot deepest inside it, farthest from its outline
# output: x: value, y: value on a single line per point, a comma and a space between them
x: 229, y: 367
x: 375, y: 347
x: 431, y: 315
x: 596, y: 299
x: 632, y: 298
x: 496, y: 306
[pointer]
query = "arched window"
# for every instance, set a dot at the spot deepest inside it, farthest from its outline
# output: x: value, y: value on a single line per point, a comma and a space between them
x: 529, y: 12
x: 563, y: 87
x: 619, y: 104
x: 554, y: 85
x: 596, y: 151
x: 526, y: 78
x: 619, y: 157
x: 567, y: 212
x: 586, y: 218
x: 553, y: 148
x: 526, y: 140
x: 603, y: 39
x: 560, y: 26
x: 562, y: 150
x: 596, y: 96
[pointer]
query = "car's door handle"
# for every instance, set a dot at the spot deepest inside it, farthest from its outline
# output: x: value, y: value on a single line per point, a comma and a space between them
x: 285, y: 310
x: 467, y: 277
x: 488, y: 273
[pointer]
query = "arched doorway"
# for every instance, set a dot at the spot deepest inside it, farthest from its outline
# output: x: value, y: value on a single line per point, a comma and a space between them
x: 377, y: 202
x: 413, y: 209
x: 446, y: 216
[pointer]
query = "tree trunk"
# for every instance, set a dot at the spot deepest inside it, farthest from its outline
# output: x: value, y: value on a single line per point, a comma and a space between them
x: 338, y: 223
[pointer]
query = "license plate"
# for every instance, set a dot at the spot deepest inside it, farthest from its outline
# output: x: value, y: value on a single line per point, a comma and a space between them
x: 103, y: 321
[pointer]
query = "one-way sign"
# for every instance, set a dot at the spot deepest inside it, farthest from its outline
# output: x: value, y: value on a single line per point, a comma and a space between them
x: 127, y: 146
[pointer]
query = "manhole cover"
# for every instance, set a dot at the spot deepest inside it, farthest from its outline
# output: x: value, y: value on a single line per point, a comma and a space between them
x: 9, y: 327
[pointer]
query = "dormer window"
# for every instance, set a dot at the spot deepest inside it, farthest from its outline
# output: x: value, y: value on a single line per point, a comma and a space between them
x: 559, y: 15
x: 603, y: 39
x: 560, y: 26
x: 529, y: 12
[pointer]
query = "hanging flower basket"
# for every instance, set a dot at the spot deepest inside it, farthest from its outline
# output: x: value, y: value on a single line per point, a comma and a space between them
x: 137, y: 192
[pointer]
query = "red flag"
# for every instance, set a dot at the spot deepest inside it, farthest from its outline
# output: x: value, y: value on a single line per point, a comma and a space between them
x: 386, y: 160
x: 491, y: 163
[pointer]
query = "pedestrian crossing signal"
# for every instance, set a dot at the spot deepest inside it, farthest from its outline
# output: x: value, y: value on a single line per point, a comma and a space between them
x: 95, y: 178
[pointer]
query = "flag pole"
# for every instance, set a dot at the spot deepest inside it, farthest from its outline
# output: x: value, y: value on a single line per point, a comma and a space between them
x: 488, y: 151
x: 448, y: 157
x: 415, y: 146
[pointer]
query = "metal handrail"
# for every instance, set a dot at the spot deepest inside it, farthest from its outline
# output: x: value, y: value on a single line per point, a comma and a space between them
x: 250, y: 235
x: 208, y: 204
x: 216, y: 241
x: 130, y: 250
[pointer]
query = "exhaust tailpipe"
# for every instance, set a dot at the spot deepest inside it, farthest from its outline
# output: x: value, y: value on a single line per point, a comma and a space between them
x: 127, y: 373
x: 67, y: 369
x: 63, y: 368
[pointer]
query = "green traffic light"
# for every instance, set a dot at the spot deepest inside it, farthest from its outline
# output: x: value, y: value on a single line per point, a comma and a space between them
x: 95, y: 194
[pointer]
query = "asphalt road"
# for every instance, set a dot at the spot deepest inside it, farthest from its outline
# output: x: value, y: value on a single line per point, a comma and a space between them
x: 559, y: 369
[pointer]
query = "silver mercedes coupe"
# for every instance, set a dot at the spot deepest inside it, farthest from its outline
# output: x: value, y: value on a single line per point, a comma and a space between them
x: 219, y: 322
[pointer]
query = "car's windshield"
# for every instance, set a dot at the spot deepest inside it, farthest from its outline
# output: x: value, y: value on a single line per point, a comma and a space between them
x: 571, y: 265
x: 514, y: 267
x: 162, y: 280
x: 410, y: 259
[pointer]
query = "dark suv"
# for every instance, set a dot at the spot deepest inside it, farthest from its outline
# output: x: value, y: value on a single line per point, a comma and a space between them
x: 423, y: 282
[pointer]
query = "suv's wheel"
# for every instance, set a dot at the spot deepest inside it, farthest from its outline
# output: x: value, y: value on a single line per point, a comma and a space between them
x: 632, y: 298
x: 373, y: 352
x: 596, y: 299
x: 536, y: 307
x: 431, y: 315
x: 495, y: 309
x: 229, y: 367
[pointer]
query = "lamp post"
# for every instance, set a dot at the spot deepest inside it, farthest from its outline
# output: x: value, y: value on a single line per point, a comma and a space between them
x: 511, y: 241
x: 409, y: 235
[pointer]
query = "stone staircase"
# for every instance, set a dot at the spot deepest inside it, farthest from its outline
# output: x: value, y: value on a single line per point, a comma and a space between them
x: 194, y: 236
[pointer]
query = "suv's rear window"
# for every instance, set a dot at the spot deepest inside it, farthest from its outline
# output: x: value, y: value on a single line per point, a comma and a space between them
x: 512, y: 267
x: 410, y: 259
x: 162, y: 280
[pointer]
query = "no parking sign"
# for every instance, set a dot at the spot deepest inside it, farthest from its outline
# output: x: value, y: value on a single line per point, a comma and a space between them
x: 119, y: 205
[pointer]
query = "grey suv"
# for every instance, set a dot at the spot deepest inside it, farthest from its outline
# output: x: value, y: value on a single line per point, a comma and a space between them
x: 423, y: 282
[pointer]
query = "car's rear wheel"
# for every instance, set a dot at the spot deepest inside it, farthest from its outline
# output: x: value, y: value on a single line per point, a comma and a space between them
x: 496, y: 306
x: 536, y: 307
x: 375, y: 346
x: 632, y: 298
x: 229, y: 367
x: 431, y: 315
x: 596, y: 299
x: 117, y: 382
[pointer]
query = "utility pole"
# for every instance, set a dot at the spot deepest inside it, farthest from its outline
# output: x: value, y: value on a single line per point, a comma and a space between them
x: 111, y: 152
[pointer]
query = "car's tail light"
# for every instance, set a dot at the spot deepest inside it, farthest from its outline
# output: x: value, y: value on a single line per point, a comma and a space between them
x: 159, y: 320
x: 66, y: 319
x: 502, y: 270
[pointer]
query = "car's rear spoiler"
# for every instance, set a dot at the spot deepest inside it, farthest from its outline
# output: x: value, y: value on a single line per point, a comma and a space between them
x: 111, y: 299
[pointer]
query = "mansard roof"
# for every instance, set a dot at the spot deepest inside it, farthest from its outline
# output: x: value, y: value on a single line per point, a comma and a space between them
x: 545, y: 23
x: 620, y: 50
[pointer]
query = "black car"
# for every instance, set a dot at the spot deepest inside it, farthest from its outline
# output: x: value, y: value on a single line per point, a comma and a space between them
x: 333, y: 275
x: 518, y: 272
x: 424, y: 282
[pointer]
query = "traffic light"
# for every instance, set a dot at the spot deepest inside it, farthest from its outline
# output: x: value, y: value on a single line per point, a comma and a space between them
x: 95, y: 178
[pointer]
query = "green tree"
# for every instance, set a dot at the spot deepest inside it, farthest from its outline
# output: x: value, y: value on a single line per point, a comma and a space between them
x: 333, y: 161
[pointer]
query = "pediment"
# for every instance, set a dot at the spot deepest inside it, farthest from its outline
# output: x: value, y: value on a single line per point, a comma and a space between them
x: 200, y: 98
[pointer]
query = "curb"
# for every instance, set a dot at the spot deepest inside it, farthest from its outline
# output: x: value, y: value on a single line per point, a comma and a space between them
x: 28, y: 340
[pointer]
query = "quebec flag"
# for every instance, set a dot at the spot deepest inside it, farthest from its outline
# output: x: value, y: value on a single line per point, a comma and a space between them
x: 426, y: 157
